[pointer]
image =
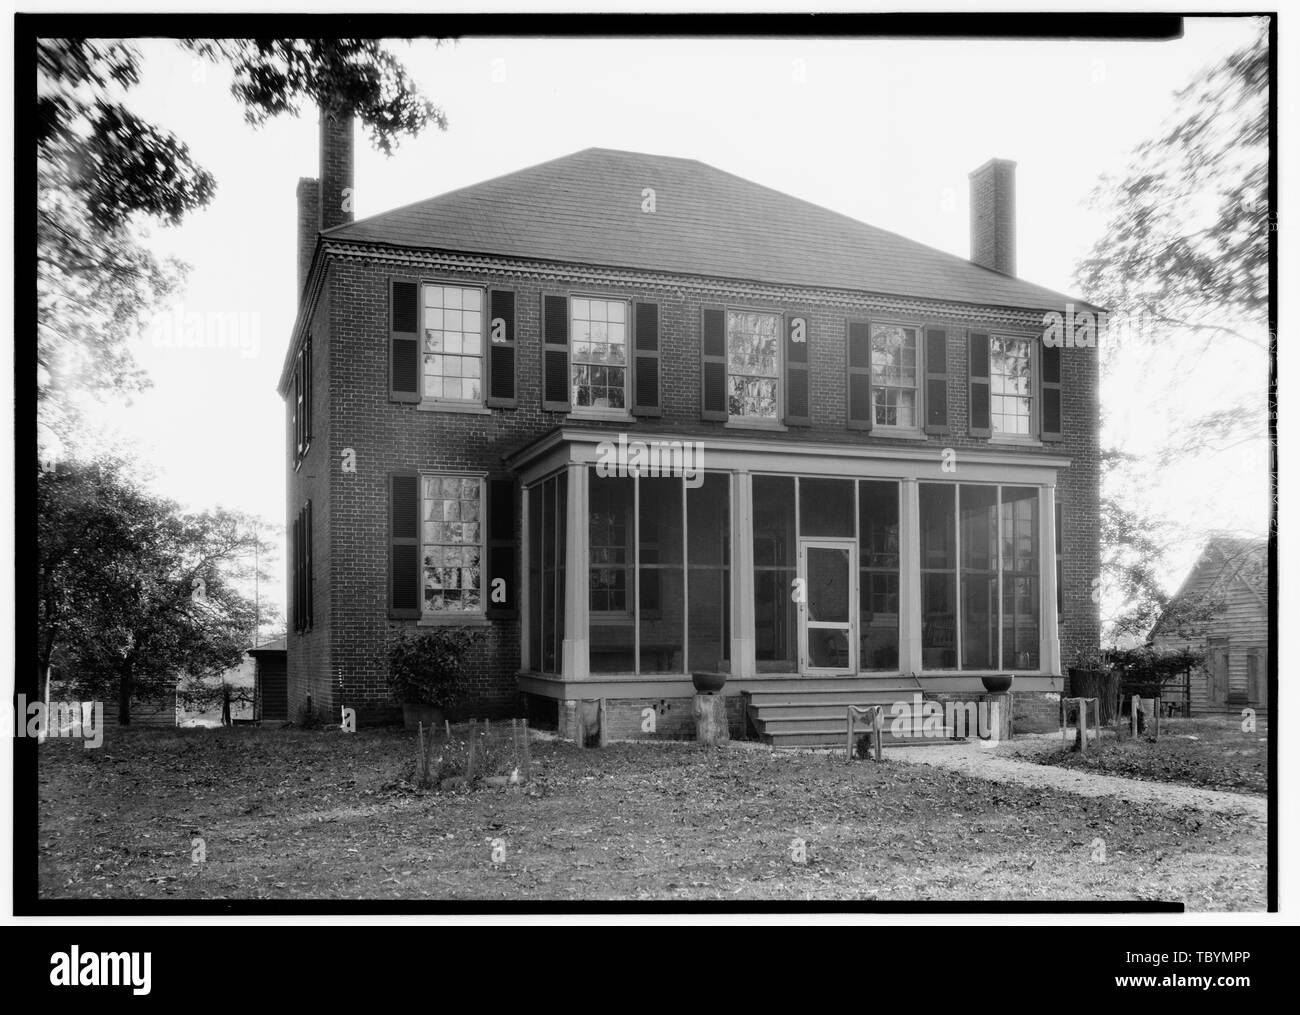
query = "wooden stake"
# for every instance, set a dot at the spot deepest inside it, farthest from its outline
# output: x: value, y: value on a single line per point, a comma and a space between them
x: 1083, y: 725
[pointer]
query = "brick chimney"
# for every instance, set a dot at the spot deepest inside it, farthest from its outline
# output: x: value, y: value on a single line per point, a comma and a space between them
x: 335, y: 169
x: 308, y: 225
x: 993, y: 216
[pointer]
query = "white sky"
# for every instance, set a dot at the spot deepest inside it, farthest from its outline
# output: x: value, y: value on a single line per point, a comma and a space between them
x: 884, y: 131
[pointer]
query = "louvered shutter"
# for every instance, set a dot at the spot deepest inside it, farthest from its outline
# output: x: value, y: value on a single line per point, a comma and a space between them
x: 859, y: 375
x: 296, y: 583
x: 501, y: 349
x: 978, y: 371
x: 306, y: 399
x: 404, y: 545
x: 404, y: 340
x: 713, y: 364
x: 797, y: 412
x: 555, y: 352
x: 1050, y: 424
x: 307, y: 582
x: 936, y: 380
x: 501, y: 546
x: 647, y: 384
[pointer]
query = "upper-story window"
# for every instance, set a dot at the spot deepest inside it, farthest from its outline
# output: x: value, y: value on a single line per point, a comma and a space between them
x: 1011, y: 386
x: 753, y: 364
x: 894, y: 393
x: 600, y: 353
x: 453, y: 344
x: 302, y: 402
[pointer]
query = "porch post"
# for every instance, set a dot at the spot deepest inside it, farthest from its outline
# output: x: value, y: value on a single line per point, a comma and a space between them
x: 577, y: 600
x: 909, y: 578
x: 1049, y: 641
x: 743, y: 662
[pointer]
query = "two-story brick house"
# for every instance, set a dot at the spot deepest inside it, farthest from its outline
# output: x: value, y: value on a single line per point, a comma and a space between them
x: 637, y: 418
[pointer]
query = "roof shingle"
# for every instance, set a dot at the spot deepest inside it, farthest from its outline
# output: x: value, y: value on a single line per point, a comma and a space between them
x: 586, y: 208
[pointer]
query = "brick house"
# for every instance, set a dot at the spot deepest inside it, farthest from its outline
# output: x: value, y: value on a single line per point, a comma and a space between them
x: 638, y: 418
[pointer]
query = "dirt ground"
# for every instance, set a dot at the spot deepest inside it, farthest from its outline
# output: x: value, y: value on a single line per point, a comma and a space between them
x: 312, y: 814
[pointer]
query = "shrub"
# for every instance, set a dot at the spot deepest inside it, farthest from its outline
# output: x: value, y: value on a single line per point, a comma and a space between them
x: 428, y: 668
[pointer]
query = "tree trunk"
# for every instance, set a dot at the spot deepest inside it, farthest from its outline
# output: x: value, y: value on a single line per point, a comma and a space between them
x: 710, y: 711
x: 124, y: 690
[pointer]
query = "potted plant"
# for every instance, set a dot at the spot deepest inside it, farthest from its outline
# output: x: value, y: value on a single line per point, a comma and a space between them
x: 997, y: 683
x: 426, y: 672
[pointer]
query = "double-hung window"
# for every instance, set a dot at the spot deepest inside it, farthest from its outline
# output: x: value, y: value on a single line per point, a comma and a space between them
x: 895, y: 395
x: 453, y: 343
x: 599, y: 363
x: 753, y: 365
x: 1011, y: 386
x: 452, y: 544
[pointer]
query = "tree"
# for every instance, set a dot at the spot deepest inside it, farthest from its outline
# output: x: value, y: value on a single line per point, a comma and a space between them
x: 101, y: 170
x: 133, y: 592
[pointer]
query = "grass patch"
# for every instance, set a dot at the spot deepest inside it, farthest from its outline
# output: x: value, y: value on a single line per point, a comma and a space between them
x: 1208, y: 752
x: 319, y: 814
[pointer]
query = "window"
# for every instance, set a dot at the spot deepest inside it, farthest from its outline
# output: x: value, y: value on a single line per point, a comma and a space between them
x: 452, y: 544
x: 453, y: 344
x: 980, y: 577
x: 893, y: 375
x: 302, y: 402
x: 610, y: 502
x: 599, y: 363
x: 302, y: 570
x: 1011, y: 385
x: 753, y: 364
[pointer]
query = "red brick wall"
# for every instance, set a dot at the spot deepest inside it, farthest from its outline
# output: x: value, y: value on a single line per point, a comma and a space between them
x: 352, y: 571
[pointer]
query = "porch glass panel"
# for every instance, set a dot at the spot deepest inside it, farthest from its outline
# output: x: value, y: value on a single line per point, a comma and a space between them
x: 878, y: 577
x: 662, y: 604
x: 708, y: 563
x: 776, y: 618
x: 610, y: 547
x: 546, y: 549
x: 938, y: 504
x: 1020, y: 563
x: 826, y: 507
x: 979, y: 578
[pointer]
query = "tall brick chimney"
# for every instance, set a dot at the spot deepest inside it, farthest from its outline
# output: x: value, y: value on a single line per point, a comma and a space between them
x: 335, y: 169
x: 993, y: 216
x: 308, y: 225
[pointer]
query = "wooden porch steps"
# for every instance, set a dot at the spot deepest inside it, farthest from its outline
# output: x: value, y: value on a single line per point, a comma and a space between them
x: 813, y: 712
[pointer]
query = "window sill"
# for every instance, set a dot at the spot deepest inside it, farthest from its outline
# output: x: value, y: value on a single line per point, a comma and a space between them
x: 1016, y: 442
x: 900, y: 433
x: 449, y: 620
x: 741, y: 423
x: 604, y: 415
x: 434, y: 406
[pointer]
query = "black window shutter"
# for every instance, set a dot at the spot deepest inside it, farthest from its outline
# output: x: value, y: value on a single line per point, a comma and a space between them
x: 308, y: 584
x: 713, y: 364
x: 297, y: 409
x: 501, y: 545
x: 404, y: 545
x: 1051, y: 421
x: 297, y: 571
x: 404, y: 340
x: 555, y: 352
x: 647, y: 396
x: 936, y: 380
x: 859, y: 375
x: 306, y: 397
x: 978, y: 368
x: 797, y: 337
x: 501, y: 348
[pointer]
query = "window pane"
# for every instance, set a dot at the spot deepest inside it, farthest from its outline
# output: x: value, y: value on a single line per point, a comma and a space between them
x: 938, y: 547
x: 893, y: 375
x: 753, y: 357
x: 452, y: 343
x: 775, y: 567
x: 878, y: 579
x: 938, y: 576
x: 599, y: 353
x: 1020, y: 562
x: 826, y: 507
x: 708, y: 609
x: 1011, y: 377
x: 979, y: 533
x: 451, y: 549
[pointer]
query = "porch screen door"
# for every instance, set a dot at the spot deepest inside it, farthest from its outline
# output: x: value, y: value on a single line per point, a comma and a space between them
x: 828, y: 615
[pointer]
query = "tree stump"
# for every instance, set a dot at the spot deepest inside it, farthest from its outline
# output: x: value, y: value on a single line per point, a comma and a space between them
x: 710, y: 712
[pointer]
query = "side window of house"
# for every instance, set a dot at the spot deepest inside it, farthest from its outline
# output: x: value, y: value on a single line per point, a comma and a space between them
x: 753, y: 365
x: 895, y: 397
x: 599, y: 362
x: 302, y: 402
x: 452, y: 327
x: 452, y: 544
x: 1011, y: 386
